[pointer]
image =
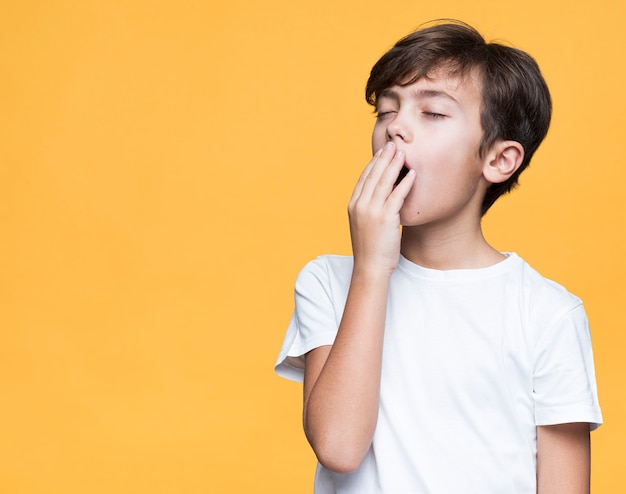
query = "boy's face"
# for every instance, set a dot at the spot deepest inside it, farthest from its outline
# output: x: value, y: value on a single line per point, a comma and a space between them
x: 436, y: 121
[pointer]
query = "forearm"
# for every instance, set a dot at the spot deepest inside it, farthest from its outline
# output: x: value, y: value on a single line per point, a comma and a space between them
x: 563, y: 459
x: 341, y: 411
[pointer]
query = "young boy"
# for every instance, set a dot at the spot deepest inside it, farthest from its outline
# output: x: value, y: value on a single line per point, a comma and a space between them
x: 432, y: 363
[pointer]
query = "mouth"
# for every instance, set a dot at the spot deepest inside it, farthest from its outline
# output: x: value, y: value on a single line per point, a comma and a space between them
x: 402, y: 174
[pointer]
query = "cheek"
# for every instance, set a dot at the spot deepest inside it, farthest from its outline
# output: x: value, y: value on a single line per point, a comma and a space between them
x: 378, y: 139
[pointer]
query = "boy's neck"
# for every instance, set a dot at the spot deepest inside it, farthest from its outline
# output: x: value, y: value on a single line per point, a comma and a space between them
x: 440, y: 248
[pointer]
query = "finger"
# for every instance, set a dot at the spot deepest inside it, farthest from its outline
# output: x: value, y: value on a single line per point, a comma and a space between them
x: 359, y: 185
x: 389, y: 176
x: 378, y: 168
x: 401, y: 191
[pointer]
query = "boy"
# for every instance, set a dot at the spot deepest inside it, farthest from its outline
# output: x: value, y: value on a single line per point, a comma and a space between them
x: 433, y: 363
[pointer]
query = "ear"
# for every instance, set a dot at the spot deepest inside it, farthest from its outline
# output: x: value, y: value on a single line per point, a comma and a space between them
x: 502, y: 161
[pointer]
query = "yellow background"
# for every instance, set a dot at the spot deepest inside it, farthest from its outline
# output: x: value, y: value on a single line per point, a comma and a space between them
x: 167, y: 167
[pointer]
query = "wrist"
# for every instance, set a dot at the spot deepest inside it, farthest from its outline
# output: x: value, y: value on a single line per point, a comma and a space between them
x: 371, y: 273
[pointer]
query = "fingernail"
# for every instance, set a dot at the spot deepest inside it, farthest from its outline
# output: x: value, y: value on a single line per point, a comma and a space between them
x: 389, y: 145
x: 400, y: 154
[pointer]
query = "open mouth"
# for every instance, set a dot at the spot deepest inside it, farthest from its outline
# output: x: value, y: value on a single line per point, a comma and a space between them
x: 403, y: 173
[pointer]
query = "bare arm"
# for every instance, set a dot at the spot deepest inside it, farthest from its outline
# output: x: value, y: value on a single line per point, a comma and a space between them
x: 342, y: 382
x: 563, y: 459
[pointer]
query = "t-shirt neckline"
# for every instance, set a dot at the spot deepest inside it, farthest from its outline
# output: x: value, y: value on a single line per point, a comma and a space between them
x: 416, y: 271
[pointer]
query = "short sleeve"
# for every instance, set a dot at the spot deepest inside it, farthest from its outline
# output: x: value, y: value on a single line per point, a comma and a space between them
x: 314, y: 321
x: 564, y: 383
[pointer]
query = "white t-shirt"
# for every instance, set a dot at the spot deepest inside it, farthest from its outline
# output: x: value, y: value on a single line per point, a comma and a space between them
x: 473, y: 361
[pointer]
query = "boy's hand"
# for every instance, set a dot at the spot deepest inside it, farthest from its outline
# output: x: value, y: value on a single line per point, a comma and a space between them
x: 374, y: 211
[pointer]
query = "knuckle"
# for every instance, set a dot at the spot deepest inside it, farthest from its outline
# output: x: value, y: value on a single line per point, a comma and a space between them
x: 360, y: 209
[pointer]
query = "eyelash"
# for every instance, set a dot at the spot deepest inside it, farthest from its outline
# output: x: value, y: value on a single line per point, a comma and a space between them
x: 430, y: 114
x: 433, y: 115
x: 383, y: 114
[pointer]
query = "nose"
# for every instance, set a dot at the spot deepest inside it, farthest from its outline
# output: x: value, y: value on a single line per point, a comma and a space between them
x: 398, y: 129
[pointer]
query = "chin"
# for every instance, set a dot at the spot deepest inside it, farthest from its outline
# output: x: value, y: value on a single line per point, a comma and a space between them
x: 417, y: 218
x: 411, y: 220
x: 410, y: 211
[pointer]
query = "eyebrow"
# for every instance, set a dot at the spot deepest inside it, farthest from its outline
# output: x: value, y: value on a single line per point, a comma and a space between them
x: 420, y: 94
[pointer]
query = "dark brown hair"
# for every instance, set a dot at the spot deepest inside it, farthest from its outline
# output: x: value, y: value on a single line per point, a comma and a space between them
x: 516, y: 102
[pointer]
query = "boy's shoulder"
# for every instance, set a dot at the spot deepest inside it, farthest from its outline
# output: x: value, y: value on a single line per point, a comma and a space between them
x: 545, y: 300
x: 543, y: 287
x: 333, y: 262
x: 326, y: 270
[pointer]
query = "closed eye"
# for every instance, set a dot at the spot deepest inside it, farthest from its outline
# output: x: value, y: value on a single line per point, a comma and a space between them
x: 433, y: 115
x: 383, y: 114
